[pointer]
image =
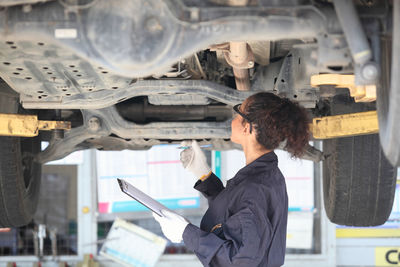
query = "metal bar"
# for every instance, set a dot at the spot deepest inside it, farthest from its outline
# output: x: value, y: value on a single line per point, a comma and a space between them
x: 27, y: 125
x: 53, y: 125
x: 106, y: 98
x: 239, y: 55
x: 242, y: 79
x: 18, y: 125
x: 87, y: 199
x: 339, y: 80
x: 345, y: 125
x: 361, y: 93
x: 142, y: 112
x: 353, y: 30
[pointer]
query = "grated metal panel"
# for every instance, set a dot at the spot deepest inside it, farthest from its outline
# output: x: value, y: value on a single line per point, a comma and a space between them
x: 44, y: 69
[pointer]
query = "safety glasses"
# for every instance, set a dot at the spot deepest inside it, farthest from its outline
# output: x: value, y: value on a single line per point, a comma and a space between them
x: 236, y: 108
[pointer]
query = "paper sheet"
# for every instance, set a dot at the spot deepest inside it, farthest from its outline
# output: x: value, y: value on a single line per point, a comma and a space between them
x: 131, y: 245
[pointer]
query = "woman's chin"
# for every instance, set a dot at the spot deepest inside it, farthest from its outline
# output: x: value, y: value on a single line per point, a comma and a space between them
x: 233, y: 140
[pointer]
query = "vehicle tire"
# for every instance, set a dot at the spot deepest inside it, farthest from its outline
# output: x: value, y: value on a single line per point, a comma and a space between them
x: 358, y: 181
x: 19, y: 174
x: 388, y: 94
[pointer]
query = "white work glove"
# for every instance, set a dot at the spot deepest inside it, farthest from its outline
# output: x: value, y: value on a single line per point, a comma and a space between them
x: 172, y: 225
x: 194, y: 160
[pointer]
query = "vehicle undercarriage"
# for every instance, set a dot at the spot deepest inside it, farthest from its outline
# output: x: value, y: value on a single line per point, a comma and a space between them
x: 130, y: 74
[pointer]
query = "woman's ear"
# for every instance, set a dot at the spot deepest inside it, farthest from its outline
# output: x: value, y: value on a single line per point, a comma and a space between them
x: 246, y: 128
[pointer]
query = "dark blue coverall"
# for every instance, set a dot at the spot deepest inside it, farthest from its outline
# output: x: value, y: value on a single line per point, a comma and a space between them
x: 245, y: 224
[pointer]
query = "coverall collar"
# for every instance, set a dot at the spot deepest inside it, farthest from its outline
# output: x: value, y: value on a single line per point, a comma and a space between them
x: 266, y: 161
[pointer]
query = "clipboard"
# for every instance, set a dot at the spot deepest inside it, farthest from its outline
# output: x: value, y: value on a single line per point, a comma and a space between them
x: 143, y: 198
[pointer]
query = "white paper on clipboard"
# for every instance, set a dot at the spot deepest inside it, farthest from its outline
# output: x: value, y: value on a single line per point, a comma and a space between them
x: 131, y: 245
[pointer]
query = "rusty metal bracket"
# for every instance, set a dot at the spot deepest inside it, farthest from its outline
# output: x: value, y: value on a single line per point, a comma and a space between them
x: 28, y: 125
x: 345, y: 125
x: 361, y: 93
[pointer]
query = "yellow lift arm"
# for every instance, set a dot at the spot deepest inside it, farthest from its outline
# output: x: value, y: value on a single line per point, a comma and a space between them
x: 345, y: 125
x: 360, y: 93
x: 28, y: 125
x: 321, y: 128
x: 348, y: 124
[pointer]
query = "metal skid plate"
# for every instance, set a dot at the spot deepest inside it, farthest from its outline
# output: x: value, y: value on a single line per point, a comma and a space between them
x: 45, y: 72
x: 56, y: 54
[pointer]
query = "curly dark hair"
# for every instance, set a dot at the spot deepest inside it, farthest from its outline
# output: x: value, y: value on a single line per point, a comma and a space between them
x: 278, y: 119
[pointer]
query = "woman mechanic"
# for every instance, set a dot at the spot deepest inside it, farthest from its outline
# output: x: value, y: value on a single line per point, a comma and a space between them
x: 245, y: 224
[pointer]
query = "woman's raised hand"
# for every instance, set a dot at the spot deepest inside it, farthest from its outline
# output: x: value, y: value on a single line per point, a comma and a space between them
x: 194, y: 160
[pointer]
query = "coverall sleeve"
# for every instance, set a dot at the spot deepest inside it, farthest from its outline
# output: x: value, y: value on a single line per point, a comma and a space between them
x: 246, y: 236
x: 210, y: 187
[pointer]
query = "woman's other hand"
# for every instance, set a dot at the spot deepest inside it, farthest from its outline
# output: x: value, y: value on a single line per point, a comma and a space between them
x: 172, y: 225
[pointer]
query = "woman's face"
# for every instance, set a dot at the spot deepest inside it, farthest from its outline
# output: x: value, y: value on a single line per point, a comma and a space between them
x: 237, y: 127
